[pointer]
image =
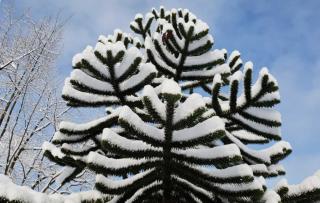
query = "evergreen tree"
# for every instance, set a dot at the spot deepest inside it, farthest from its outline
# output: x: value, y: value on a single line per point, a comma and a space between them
x: 167, y: 143
x: 168, y: 157
x: 181, y: 49
x: 110, y: 74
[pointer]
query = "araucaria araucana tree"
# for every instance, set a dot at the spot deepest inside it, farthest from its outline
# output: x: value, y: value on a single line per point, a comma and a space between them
x: 160, y: 141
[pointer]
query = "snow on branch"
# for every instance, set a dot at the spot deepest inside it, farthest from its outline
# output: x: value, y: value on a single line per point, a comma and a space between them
x: 306, y: 191
x: 147, y: 149
x: 162, y: 142
x: 23, y: 194
x: 109, y: 74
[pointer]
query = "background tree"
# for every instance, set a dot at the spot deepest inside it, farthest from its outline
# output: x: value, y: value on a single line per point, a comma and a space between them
x: 30, y: 106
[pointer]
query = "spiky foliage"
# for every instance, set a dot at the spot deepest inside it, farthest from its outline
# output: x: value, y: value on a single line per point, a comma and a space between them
x: 180, y: 47
x: 110, y: 74
x: 168, y: 157
x: 250, y: 118
x: 169, y: 145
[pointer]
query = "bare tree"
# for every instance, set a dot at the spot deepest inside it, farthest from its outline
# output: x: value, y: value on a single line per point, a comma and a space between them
x: 30, y: 106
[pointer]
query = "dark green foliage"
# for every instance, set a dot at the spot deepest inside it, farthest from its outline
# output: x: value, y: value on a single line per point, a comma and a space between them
x: 174, y: 169
x: 167, y: 145
x: 104, y: 72
x: 178, y: 40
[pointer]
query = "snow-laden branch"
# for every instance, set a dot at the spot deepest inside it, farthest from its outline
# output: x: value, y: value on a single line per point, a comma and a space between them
x: 11, y: 62
x: 23, y: 194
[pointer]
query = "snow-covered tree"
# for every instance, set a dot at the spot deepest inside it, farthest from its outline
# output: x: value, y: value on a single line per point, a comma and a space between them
x: 181, y: 48
x: 30, y: 106
x: 306, y: 191
x: 159, y: 141
x: 109, y: 74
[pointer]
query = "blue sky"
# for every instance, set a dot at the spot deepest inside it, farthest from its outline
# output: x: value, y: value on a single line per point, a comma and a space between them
x: 282, y: 35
